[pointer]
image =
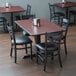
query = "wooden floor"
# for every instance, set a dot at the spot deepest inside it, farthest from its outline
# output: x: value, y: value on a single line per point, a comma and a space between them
x: 26, y: 67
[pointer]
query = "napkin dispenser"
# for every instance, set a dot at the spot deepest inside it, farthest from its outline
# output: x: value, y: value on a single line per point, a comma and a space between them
x: 7, y: 5
x: 36, y: 22
x: 63, y: 1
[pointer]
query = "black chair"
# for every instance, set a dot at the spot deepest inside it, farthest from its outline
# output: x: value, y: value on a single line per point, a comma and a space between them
x: 72, y: 13
x: 28, y: 13
x: 54, y: 15
x: 27, y: 16
x: 18, y: 41
x: 60, y: 37
x: 18, y: 17
x: 3, y: 22
x: 45, y: 49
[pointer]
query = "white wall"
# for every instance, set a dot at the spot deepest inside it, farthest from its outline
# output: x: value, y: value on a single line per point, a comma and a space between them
x: 39, y: 7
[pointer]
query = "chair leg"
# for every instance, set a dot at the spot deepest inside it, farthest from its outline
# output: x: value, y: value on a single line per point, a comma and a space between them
x: 52, y: 56
x: 26, y: 48
x: 15, y: 54
x: 65, y: 47
x: 58, y: 20
x: 11, y: 50
x: 59, y: 57
x: 37, y: 57
x: 31, y: 50
x: 44, y: 64
x: 45, y: 61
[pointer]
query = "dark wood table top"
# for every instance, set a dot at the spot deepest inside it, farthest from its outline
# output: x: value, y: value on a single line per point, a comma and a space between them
x: 66, y: 4
x: 11, y: 9
x: 45, y: 26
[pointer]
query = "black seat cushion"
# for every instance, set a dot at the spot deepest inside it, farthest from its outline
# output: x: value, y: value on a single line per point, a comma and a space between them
x: 18, y: 17
x: 22, y: 40
x: 59, y: 14
x: 73, y: 12
x: 50, y: 46
x: 55, y: 35
x: 28, y: 16
x: 2, y: 19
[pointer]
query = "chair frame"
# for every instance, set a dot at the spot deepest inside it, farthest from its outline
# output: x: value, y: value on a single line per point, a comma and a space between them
x: 72, y: 13
x: 43, y: 51
x: 62, y: 34
x: 54, y: 14
x: 15, y: 44
x: 28, y: 11
x: 3, y: 21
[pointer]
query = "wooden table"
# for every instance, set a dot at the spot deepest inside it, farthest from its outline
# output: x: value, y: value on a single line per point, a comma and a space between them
x: 11, y: 10
x: 45, y: 26
x: 66, y: 5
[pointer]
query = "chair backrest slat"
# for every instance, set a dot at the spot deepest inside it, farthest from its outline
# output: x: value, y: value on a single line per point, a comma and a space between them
x: 51, y: 8
x: 65, y: 26
x: 11, y: 32
x: 53, y: 16
x: 28, y: 11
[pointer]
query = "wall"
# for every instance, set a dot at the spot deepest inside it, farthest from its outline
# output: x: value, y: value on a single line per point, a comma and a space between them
x: 39, y: 7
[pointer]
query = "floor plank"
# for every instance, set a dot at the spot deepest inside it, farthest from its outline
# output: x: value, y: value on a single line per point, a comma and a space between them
x: 26, y: 67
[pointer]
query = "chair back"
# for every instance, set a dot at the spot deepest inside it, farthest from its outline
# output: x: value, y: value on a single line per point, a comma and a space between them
x: 65, y: 25
x: 11, y: 33
x: 53, y: 13
x: 48, y: 44
x: 51, y: 9
x: 28, y: 11
x: 18, y: 17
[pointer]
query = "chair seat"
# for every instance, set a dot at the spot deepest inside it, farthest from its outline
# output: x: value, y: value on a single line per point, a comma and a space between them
x: 73, y: 12
x: 18, y: 17
x: 54, y: 34
x: 57, y: 37
x: 25, y: 33
x: 28, y: 16
x: 59, y: 14
x: 50, y: 46
x: 2, y: 19
x: 22, y: 40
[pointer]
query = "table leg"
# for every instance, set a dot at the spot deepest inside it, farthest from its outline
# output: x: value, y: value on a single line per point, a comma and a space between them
x: 37, y: 39
x: 67, y: 13
x: 11, y: 18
